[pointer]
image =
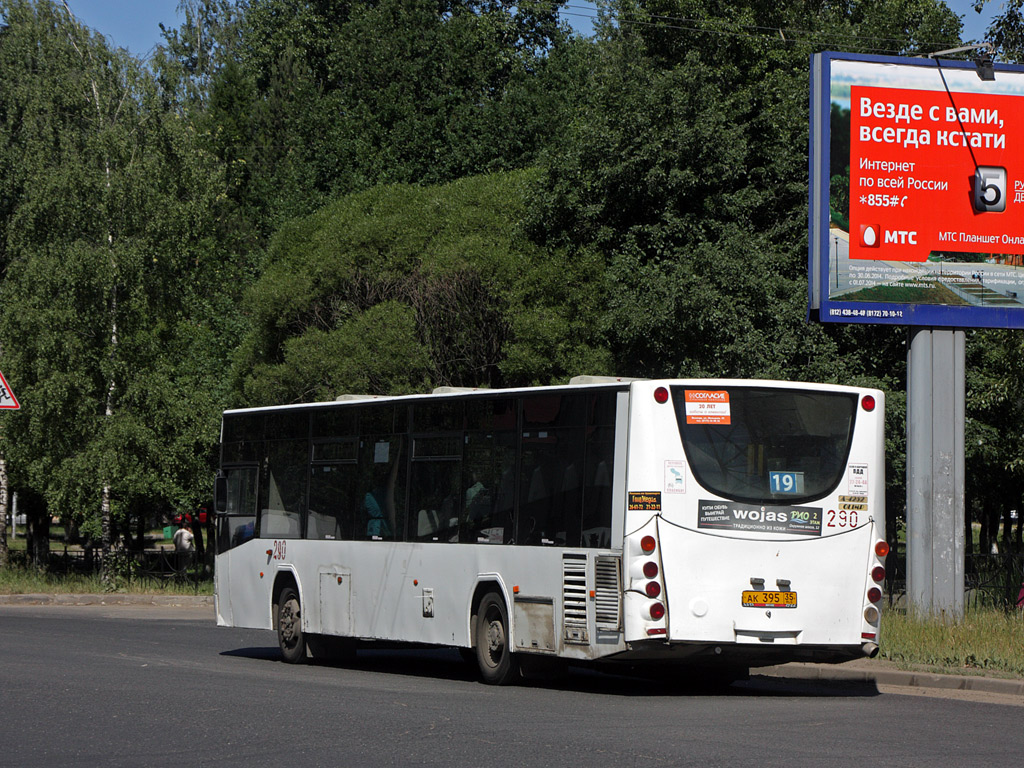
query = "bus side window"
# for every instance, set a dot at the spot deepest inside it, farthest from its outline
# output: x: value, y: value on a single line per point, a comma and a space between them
x: 489, y: 487
x: 434, y: 500
x: 236, y: 525
x: 597, y: 489
x: 550, y: 494
x: 284, y: 495
x: 380, y: 488
x: 331, y: 504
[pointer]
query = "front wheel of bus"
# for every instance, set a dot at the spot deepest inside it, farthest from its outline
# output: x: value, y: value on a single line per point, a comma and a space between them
x: 493, y: 654
x: 289, y: 627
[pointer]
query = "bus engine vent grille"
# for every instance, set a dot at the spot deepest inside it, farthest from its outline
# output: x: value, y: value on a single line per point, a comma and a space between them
x: 574, y: 599
x: 608, y: 593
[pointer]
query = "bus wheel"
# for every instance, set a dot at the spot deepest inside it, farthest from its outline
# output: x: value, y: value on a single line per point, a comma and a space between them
x: 497, y: 664
x: 289, y: 627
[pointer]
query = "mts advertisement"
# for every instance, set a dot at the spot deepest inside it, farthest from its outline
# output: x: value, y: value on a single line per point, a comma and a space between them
x: 917, y: 192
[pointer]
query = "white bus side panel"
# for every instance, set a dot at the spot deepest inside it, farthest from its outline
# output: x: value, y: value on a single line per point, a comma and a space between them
x: 414, y: 592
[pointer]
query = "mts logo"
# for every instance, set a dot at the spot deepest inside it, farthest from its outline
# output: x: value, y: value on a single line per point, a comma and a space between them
x: 872, y: 236
x: 900, y: 237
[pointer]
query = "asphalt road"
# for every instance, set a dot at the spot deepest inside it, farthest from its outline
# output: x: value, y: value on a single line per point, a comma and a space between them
x: 147, y: 686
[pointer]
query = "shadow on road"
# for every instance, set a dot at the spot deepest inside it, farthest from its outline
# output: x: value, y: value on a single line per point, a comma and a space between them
x: 448, y: 664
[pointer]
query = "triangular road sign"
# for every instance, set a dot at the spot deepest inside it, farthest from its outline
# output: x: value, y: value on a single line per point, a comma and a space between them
x: 7, y: 398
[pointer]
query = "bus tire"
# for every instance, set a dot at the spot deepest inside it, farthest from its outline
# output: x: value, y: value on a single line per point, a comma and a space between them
x: 498, y: 665
x: 290, y: 639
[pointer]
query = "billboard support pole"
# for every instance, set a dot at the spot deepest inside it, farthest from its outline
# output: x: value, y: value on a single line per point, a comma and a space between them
x: 935, y: 472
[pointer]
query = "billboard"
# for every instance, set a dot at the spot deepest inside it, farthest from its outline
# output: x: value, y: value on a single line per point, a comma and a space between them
x: 916, y: 192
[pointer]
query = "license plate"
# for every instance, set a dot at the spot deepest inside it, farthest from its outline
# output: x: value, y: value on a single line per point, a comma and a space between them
x: 769, y: 599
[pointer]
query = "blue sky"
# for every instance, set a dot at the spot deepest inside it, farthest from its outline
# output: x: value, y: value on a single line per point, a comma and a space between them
x: 135, y: 24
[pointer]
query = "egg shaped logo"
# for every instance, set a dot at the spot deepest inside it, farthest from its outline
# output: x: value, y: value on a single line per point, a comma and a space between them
x: 870, y: 235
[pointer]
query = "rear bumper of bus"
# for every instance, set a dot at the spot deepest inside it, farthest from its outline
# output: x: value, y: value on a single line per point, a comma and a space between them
x: 736, y: 655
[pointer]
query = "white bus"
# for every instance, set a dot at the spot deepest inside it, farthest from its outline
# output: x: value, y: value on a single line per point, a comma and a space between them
x: 706, y: 525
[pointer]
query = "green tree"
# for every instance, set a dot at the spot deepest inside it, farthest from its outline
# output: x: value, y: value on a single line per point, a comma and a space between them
x: 308, y: 101
x: 402, y: 288
x: 1006, y: 32
x: 113, y: 289
x: 686, y: 169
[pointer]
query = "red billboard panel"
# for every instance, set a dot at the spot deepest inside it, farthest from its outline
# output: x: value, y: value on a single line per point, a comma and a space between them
x: 916, y: 192
x: 931, y: 172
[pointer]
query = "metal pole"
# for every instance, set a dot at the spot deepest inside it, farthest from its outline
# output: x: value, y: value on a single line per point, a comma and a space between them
x: 935, y: 472
x: 836, y: 239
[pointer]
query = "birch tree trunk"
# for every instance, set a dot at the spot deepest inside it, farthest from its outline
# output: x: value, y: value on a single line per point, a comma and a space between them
x: 106, y: 576
x: 106, y: 539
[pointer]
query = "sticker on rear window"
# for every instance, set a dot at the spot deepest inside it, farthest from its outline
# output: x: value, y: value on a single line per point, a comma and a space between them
x: 675, y: 476
x: 858, y: 479
x: 707, y: 406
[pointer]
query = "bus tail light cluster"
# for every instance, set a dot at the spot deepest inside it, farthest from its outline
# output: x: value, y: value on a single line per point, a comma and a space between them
x: 874, y: 595
x: 647, y: 579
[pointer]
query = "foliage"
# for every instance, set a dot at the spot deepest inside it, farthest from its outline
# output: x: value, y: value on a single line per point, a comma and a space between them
x: 310, y: 101
x: 686, y: 169
x: 402, y: 288
x: 1006, y: 32
x: 111, y: 316
x: 428, y: 193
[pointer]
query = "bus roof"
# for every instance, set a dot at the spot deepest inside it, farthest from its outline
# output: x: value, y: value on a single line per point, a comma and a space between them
x: 576, y: 383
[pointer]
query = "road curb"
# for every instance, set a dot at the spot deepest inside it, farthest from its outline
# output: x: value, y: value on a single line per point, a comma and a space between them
x: 896, y: 677
x: 190, y: 601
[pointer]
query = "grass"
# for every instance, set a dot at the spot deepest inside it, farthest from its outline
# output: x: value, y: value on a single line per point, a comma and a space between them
x: 28, y: 581
x: 989, y: 641
x: 20, y: 580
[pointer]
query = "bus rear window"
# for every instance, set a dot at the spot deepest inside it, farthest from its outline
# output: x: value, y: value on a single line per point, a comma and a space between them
x: 765, y: 445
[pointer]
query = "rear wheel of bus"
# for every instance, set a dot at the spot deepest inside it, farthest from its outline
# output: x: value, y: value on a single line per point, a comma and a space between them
x: 493, y: 653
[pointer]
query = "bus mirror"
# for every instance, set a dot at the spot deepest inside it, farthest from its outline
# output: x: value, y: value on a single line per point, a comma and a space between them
x: 220, y: 494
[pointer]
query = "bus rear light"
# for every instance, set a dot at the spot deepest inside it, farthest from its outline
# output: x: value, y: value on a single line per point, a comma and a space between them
x: 874, y: 595
x: 647, y: 544
x: 657, y: 631
x: 871, y: 615
x: 650, y: 569
x: 653, y: 589
x: 878, y: 573
x: 882, y: 548
x: 868, y: 403
x: 657, y: 611
x: 868, y: 635
x: 661, y: 395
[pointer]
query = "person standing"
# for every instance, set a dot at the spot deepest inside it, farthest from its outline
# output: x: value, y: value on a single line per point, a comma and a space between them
x: 184, y: 545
